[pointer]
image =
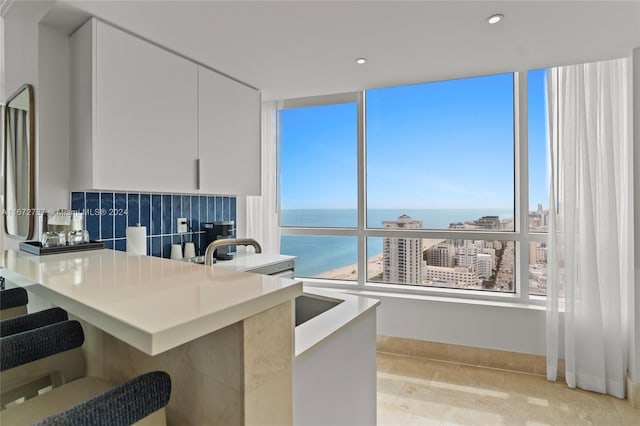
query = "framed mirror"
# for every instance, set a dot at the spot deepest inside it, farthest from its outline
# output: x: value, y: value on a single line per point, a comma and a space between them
x: 19, y: 164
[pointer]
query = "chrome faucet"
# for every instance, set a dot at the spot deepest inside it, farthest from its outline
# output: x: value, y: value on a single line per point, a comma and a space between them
x: 211, y: 248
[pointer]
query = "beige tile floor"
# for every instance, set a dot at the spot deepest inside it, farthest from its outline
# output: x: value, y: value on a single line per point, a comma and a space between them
x: 418, y: 391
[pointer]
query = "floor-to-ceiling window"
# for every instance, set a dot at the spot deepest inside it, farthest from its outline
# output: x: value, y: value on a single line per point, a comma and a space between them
x: 422, y: 188
x: 319, y: 186
x: 537, y: 128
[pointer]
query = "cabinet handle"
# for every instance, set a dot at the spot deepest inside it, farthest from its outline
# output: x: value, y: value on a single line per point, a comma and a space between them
x: 198, y: 174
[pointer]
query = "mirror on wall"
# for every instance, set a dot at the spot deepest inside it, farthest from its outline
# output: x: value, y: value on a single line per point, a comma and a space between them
x: 19, y: 162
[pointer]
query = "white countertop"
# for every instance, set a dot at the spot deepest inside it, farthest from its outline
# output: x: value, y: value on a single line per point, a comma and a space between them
x: 153, y: 304
x: 247, y: 261
x: 313, y: 332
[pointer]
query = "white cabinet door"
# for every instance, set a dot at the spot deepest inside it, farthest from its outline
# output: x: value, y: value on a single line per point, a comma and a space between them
x: 228, y: 136
x: 146, y: 115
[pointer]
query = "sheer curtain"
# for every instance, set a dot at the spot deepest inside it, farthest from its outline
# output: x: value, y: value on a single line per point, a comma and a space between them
x: 591, y: 228
x: 262, y: 211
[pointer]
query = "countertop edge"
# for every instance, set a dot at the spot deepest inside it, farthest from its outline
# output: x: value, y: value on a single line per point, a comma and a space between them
x: 313, y: 332
x: 183, y: 333
x: 134, y: 336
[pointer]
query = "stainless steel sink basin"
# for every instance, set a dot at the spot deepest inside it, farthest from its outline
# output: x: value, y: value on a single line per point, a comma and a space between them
x: 309, y: 307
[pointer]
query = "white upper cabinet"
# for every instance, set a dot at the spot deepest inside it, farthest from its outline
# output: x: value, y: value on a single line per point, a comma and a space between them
x: 228, y: 135
x: 138, y: 112
x: 140, y: 119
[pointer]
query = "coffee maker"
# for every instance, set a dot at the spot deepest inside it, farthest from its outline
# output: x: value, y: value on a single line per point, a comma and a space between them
x: 217, y: 231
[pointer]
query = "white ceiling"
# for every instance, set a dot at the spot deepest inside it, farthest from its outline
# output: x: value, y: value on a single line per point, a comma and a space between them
x: 292, y: 49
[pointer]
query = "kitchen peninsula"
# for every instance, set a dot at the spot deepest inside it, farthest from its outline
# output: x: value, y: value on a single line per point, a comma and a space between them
x: 225, y: 337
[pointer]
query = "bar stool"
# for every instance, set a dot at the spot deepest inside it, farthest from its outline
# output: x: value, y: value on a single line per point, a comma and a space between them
x: 82, y: 401
x: 13, y: 302
x: 34, y: 359
x: 21, y: 323
x: 29, y: 387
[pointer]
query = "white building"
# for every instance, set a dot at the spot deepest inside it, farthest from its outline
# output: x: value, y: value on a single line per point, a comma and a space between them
x: 492, y: 253
x: 402, y: 257
x: 450, y: 275
x: 484, y: 265
x: 467, y: 255
x: 537, y: 253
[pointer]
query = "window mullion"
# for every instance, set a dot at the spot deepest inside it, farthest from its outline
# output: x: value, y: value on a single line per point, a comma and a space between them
x: 362, y: 193
x: 522, y: 183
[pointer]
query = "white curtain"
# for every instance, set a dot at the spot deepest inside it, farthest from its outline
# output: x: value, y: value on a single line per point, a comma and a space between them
x: 263, y: 222
x: 591, y: 228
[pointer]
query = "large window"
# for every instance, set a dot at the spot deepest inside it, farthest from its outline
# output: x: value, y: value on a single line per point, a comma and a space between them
x: 537, y: 125
x: 319, y: 187
x: 443, y: 150
x: 318, y: 166
x: 416, y: 188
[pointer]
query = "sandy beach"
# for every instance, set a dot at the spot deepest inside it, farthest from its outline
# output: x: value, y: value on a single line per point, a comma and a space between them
x: 374, y: 265
x: 350, y: 272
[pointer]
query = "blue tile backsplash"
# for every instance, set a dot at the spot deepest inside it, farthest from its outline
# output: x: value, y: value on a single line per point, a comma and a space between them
x: 107, y: 215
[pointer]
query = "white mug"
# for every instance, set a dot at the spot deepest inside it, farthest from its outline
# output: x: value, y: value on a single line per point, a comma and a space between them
x: 176, y: 251
x: 189, y: 249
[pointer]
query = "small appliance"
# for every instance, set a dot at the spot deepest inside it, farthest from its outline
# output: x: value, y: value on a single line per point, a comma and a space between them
x: 219, y: 230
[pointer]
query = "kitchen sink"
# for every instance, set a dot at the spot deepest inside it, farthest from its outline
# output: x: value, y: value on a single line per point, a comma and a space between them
x: 308, y: 307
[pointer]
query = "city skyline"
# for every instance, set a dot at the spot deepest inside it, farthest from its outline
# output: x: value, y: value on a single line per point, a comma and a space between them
x: 432, y: 262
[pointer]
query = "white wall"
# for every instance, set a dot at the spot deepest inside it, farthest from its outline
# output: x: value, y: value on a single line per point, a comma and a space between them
x: 634, y: 329
x: 38, y: 55
x: 3, y: 95
x: 21, y: 57
x: 53, y: 123
x: 2, y: 99
x: 21, y: 43
x: 508, y: 328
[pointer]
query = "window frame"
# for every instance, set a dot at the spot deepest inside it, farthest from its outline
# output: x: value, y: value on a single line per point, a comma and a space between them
x: 521, y: 236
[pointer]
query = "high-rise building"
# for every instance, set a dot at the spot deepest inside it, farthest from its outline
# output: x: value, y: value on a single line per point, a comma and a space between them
x: 441, y: 255
x: 480, y: 244
x: 484, y: 265
x: 533, y: 255
x: 490, y: 251
x: 402, y: 257
x: 539, y: 218
x: 537, y: 253
x: 488, y: 222
x: 468, y: 255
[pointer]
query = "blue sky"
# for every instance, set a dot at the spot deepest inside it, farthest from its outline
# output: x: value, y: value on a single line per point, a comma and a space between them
x: 438, y: 145
x: 319, y: 157
x: 538, y: 190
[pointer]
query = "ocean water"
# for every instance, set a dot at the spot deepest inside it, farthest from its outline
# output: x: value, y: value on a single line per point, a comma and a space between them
x: 317, y: 254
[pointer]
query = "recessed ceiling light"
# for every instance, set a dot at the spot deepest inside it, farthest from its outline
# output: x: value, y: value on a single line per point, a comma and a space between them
x: 494, y: 19
x: 361, y: 61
